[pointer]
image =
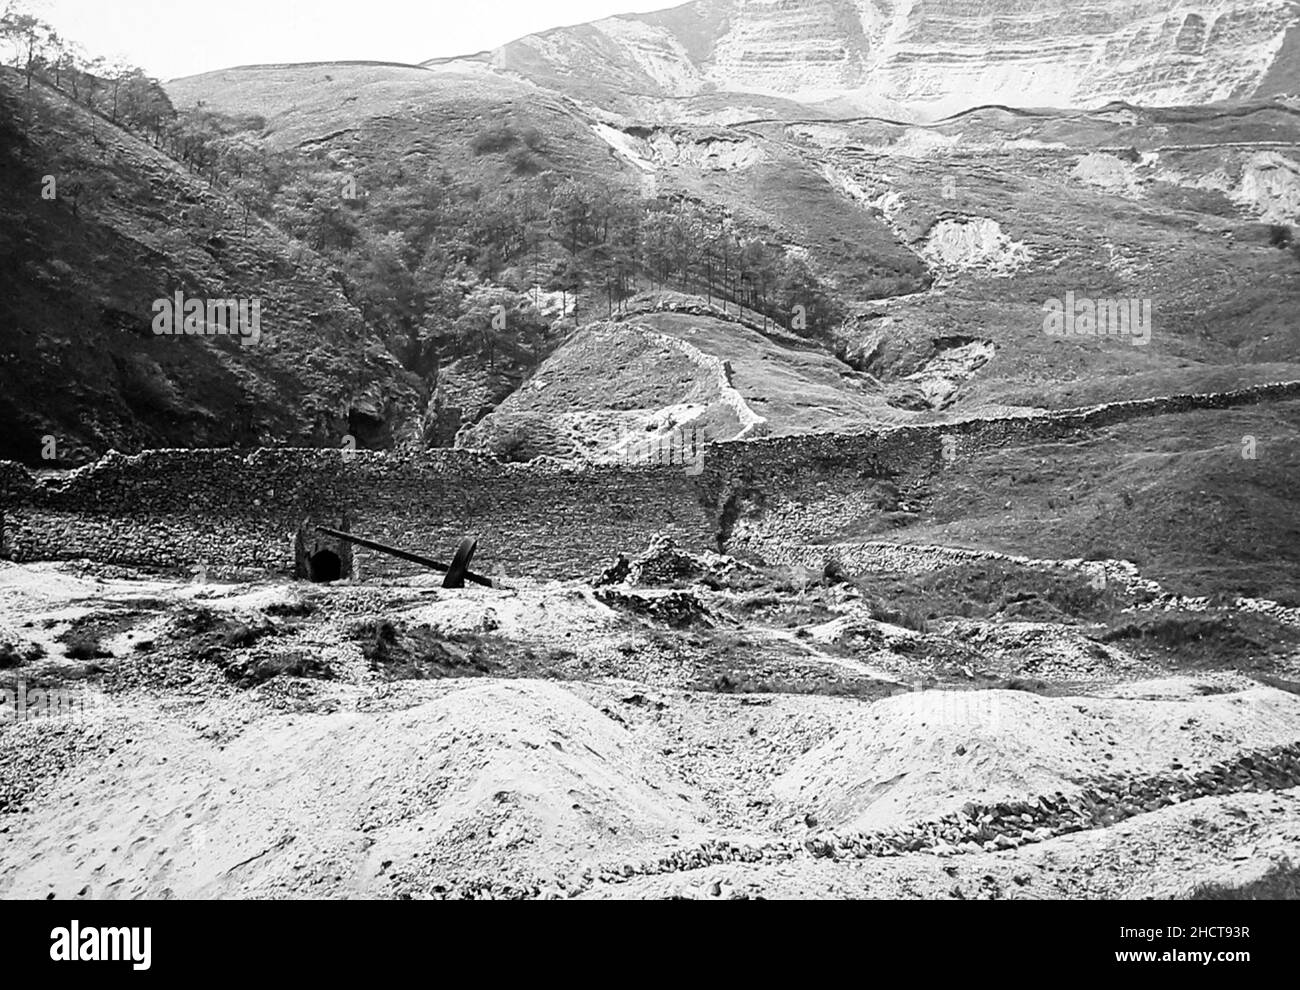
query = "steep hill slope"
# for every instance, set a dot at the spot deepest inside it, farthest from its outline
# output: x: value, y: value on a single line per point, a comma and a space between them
x: 360, y: 119
x: 942, y: 241
x: 128, y: 226
x: 1011, y: 211
x: 674, y: 372
x: 1202, y: 501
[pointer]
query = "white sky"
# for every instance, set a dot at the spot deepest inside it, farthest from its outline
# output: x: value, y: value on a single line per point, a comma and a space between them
x: 170, y: 38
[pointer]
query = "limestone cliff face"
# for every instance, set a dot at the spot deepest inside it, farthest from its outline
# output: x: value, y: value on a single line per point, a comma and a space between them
x: 928, y: 55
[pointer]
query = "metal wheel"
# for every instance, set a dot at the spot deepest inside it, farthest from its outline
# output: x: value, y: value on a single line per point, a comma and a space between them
x: 460, y: 564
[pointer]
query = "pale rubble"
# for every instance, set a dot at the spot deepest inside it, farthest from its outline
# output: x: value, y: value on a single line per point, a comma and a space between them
x: 1270, y: 184
x: 1110, y: 173
x: 670, y: 147
x: 966, y: 245
x: 1262, y: 183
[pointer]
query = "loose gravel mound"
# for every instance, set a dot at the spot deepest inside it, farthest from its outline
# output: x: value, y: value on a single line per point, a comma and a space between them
x: 1115, y: 175
x: 481, y: 778
x: 922, y: 755
x: 974, y: 244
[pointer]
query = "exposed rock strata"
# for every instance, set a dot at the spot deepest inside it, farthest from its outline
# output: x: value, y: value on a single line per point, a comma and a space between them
x: 932, y: 57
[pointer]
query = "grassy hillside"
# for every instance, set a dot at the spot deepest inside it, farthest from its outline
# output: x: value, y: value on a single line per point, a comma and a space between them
x: 482, y: 157
x: 794, y: 387
x: 883, y: 216
x: 1187, y: 227
x: 621, y: 388
x: 128, y: 226
x: 397, y: 124
x: 1173, y: 494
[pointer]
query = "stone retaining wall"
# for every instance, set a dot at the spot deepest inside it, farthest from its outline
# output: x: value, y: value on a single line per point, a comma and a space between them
x: 243, y: 512
x: 773, y: 494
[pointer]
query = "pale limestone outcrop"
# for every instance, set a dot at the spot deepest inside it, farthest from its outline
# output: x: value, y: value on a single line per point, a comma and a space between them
x: 931, y: 57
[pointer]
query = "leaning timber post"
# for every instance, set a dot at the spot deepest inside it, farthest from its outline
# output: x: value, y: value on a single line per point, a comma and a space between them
x: 347, y: 551
x: 457, y: 573
x: 300, y: 550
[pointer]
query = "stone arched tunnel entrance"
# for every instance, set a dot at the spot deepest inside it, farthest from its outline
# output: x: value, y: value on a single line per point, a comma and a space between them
x: 321, y: 558
x: 323, y: 566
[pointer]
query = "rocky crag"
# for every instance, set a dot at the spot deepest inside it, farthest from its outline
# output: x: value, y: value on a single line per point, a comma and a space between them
x: 926, y: 58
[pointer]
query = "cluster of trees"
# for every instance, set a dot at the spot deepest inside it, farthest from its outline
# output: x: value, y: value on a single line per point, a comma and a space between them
x: 683, y: 244
x: 421, y: 257
x: 113, y: 87
x: 442, y: 264
x: 446, y: 265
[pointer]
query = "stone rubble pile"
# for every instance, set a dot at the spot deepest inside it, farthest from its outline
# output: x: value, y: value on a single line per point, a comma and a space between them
x: 679, y: 609
x: 663, y: 563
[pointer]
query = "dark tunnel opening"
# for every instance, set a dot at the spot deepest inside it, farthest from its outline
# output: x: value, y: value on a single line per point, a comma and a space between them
x: 323, y: 566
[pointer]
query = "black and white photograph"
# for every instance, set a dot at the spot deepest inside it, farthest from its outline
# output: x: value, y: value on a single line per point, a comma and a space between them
x: 571, y: 450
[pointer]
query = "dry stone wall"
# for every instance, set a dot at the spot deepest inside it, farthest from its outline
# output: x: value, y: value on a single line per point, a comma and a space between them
x: 775, y: 494
x: 750, y: 423
x: 256, y: 512
x: 241, y: 513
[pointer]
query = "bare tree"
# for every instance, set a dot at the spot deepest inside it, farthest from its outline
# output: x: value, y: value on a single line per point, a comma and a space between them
x: 31, y: 38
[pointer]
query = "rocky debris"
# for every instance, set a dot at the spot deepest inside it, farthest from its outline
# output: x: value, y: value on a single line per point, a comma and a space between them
x: 710, y: 150
x: 937, y: 383
x: 670, y: 726
x: 974, y: 244
x: 1111, y: 173
x: 486, y: 890
x: 34, y: 752
x: 1270, y: 184
x: 714, y: 890
x: 1044, y: 650
x: 616, y: 573
x: 679, y: 609
x: 251, y: 671
x: 1166, y: 602
x: 877, y: 556
x: 664, y: 563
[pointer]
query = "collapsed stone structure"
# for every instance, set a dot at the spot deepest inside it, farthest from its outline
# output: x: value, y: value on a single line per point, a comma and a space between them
x: 235, y: 513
